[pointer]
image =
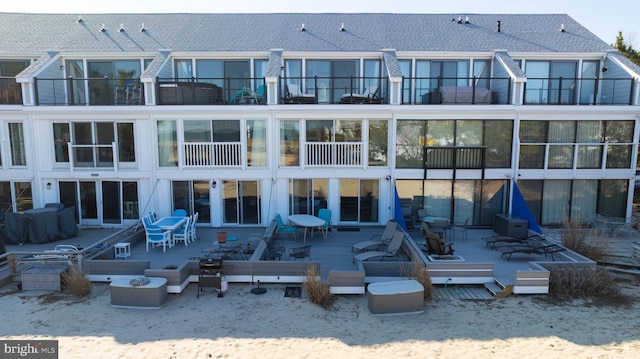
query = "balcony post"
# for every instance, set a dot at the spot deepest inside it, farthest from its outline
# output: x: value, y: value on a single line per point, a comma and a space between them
x: 35, y: 90
x: 71, y: 100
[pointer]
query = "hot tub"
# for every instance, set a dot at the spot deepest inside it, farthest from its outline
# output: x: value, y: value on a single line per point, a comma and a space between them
x: 398, y: 297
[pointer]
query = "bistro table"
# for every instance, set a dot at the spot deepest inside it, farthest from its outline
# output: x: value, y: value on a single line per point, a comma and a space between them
x: 170, y: 224
x: 308, y: 221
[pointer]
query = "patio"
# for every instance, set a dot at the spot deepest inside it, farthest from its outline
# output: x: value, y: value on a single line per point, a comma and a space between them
x: 334, y: 254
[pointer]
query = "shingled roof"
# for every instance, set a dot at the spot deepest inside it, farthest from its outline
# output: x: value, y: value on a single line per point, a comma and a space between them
x: 29, y: 33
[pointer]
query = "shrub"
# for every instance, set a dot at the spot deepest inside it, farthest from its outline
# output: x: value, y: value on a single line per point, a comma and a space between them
x: 317, y: 291
x: 589, y: 242
x: 77, y: 283
x: 420, y: 274
x: 596, y: 284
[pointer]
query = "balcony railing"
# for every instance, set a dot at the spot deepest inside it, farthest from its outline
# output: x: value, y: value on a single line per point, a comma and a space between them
x: 88, y: 91
x: 10, y: 91
x: 209, y: 154
x: 455, y: 90
x: 340, y: 154
x: 454, y: 157
x: 334, y: 90
x: 574, y: 91
x: 211, y: 91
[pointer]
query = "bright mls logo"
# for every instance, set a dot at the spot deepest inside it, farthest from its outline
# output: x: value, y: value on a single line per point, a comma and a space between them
x: 30, y: 349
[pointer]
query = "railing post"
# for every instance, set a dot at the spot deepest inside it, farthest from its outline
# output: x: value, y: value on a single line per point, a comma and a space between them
x: 559, y: 101
x: 631, y: 91
x: 70, y: 98
x: 596, y: 84
x: 106, y: 88
x: 473, y: 90
x: 193, y: 90
x: 35, y: 90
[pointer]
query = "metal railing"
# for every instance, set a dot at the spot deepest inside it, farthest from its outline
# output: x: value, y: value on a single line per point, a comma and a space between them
x: 576, y: 91
x: 334, y: 90
x: 10, y: 91
x: 455, y: 90
x: 211, y: 91
x: 88, y: 91
x: 454, y: 157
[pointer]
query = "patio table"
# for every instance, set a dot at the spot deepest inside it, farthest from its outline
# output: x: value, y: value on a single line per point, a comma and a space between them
x: 308, y: 221
x: 170, y: 224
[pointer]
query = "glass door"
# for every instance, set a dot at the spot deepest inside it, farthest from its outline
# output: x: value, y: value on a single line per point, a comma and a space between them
x: 359, y: 200
x: 111, y: 202
x: 242, y: 202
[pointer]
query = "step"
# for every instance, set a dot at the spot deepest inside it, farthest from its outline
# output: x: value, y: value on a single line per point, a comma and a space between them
x: 498, y: 290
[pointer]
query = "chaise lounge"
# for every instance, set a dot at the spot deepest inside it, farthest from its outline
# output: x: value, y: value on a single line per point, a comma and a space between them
x: 392, y: 250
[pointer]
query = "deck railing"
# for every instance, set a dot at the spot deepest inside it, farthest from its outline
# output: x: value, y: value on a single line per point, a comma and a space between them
x: 455, y: 90
x: 211, y: 91
x: 10, y: 91
x: 334, y: 90
x: 345, y: 154
x: 575, y: 91
x: 208, y: 154
x: 88, y: 91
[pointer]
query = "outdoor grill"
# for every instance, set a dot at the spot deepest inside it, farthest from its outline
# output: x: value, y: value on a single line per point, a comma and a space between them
x: 210, y: 274
x: 211, y: 264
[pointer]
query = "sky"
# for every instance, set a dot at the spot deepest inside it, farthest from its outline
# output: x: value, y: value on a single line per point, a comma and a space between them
x: 603, y: 18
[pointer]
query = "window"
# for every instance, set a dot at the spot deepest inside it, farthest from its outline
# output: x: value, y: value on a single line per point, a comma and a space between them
x: 92, y: 143
x: 378, y: 142
x: 550, y: 82
x: 560, y: 138
x: 16, y: 140
x: 413, y: 135
x: 256, y: 143
x: 308, y: 196
x: 290, y: 143
x: 167, y: 144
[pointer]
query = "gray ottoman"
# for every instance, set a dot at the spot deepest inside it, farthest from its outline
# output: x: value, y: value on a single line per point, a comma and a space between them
x: 398, y: 297
x: 139, y: 294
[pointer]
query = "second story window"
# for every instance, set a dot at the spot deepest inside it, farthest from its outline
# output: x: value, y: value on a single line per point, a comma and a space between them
x: 16, y: 140
x: 92, y: 143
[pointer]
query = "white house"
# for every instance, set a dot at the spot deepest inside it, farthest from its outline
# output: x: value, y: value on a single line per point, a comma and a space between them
x: 242, y: 116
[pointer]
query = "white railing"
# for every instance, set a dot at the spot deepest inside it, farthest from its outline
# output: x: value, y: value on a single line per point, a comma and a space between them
x: 347, y: 154
x: 208, y: 154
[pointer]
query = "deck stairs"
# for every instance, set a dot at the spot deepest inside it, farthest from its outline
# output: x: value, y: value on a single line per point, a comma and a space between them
x: 498, y: 289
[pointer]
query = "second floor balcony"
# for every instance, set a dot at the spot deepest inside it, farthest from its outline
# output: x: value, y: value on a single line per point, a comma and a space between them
x: 10, y: 91
x: 456, y: 91
x: 88, y: 91
x: 575, y: 91
x: 211, y: 91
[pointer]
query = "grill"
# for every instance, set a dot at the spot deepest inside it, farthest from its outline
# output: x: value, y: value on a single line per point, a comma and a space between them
x: 210, y: 274
x: 211, y: 264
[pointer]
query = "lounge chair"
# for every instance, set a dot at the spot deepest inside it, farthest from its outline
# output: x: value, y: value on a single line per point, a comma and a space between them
x: 494, y: 242
x: 436, y: 246
x: 379, y: 240
x: 540, y: 249
x: 294, y: 95
x: 368, y: 96
x: 392, y: 250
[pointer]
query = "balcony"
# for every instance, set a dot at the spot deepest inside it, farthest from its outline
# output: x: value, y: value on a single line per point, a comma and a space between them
x: 212, y: 154
x: 334, y: 154
x: 455, y: 91
x: 211, y: 91
x: 88, y: 91
x: 334, y: 90
x: 10, y: 91
x: 574, y: 91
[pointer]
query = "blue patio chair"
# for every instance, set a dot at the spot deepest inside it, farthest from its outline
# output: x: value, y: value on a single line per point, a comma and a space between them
x: 282, y: 228
x: 156, y: 236
x: 325, y: 214
x: 182, y: 234
x: 180, y: 213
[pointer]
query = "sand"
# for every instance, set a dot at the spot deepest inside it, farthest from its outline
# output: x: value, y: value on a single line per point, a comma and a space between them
x: 244, y: 325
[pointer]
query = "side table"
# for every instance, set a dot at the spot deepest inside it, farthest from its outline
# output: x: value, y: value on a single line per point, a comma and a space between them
x: 122, y: 250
